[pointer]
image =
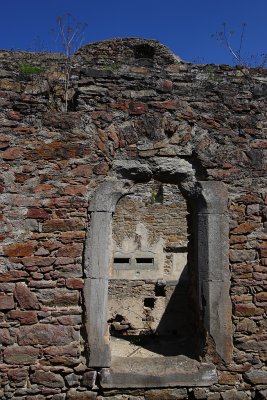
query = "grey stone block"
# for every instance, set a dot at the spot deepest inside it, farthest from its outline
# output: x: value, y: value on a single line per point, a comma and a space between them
x: 157, y: 372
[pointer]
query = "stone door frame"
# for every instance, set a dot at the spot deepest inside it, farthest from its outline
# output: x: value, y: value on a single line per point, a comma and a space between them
x: 212, y: 256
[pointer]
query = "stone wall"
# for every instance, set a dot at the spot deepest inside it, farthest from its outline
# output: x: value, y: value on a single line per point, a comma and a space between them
x: 129, y: 100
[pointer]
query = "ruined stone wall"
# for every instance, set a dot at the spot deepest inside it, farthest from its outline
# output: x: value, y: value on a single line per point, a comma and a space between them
x: 128, y: 100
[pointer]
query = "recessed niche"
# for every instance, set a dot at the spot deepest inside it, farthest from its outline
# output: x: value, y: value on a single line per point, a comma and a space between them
x: 144, y: 51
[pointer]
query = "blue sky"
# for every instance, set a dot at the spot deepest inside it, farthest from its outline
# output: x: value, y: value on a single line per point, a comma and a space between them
x: 185, y: 26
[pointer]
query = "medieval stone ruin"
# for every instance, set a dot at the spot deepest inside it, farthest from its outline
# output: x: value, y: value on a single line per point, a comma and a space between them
x: 133, y: 226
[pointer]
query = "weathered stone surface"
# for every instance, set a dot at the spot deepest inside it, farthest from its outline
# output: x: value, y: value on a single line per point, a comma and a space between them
x: 227, y: 378
x: 12, y: 276
x: 19, y: 249
x: 234, y: 395
x: 242, y: 255
x: 73, y: 394
x: 72, y: 380
x: 18, y: 374
x: 165, y: 125
x: 157, y: 372
x: 21, y: 355
x: 6, y: 301
x: 248, y: 309
x: 134, y: 170
x: 25, y: 297
x: 59, y: 297
x: 89, y: 378
x: 38, y: 213
x: 200, y: 393
x: 166, y: 394
x: 74, y: 283
x: 24, y: 317
x: 67, y: 350
x: 262, y: 394
x: 48, y: 379
x: 257, y: 377
x: 46, y: 334
x: 172, y: 169
x: 5, y: 337
x: 63, y: 225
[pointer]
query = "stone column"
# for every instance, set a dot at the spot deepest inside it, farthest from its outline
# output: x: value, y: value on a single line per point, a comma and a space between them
x: 213, y: 266
x: 98, y: 253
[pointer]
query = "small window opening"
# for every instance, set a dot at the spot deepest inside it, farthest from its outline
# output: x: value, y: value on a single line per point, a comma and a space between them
x: 121, y: 260
x: 144, y: 51
x: 144, y: 260
x: 149, y: 302
x: 160, y: 290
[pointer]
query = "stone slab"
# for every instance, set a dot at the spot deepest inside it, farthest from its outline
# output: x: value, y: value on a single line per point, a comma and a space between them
x: 157, y: 372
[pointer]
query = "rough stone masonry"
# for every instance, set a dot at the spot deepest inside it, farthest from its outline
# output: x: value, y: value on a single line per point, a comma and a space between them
x: 133, y: 226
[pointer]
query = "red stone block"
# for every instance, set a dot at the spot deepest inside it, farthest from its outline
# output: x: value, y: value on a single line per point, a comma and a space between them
x: 263, y: 253
x: 247, y: 310
x: 37, y: 261
x: 105, y: 116
x: 17, y: 374
x: 260, y: 277
x: 262, y: 296
x: 113, y: 136
x: 38, y: 213
x: 74, y: 250
x: 74, y: 283
x: 24, y: 317
x: 47, y: 335
x: 12, y: 276
x: 72, y: 350
x: 25, y: 130
x: 48, y: 379
x: 249, y: 198
x: 246, y: 227
x: 82, y: 170
x: 259, y: 144
x: 15, y: 115
x: 5, y: 337
x: 137, y: 108
x: 102, y: 135
x: 58, y: 297
x: 73, y: 224
x: 6, y: 301
x: 101, y: 168
x: 76, y: 190
x: 122, y: 105
x: 166, y: 86
x: 4, y: 141
x: 21, y: 355
x: 227, y: 378
x: 166, y: 104
x: 19, y: 249
x: 25, y: 297
x: 12, y: 153
x: 43, y: 284
x: 43, y: 188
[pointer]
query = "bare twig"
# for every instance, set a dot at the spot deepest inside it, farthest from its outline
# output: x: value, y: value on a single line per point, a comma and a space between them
x: 225, y: 38
x: 70, y: 34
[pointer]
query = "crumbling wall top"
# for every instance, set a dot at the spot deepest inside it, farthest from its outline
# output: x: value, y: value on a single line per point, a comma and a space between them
x: 127, y: 50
